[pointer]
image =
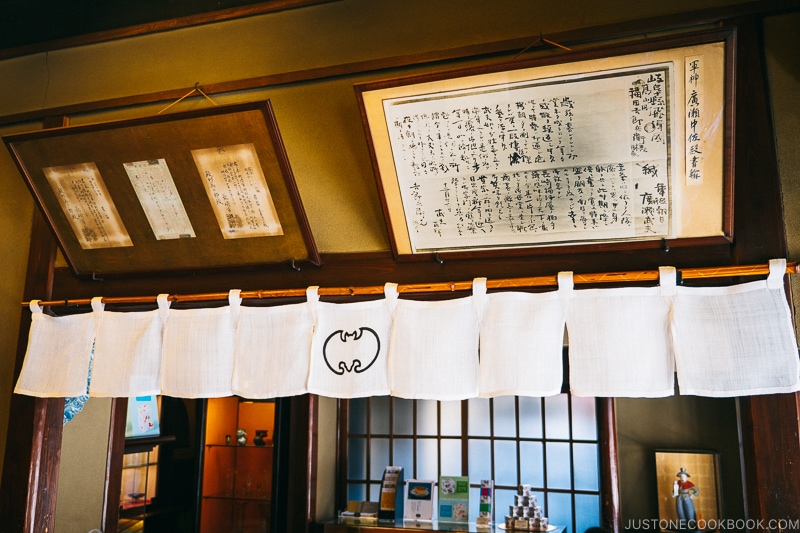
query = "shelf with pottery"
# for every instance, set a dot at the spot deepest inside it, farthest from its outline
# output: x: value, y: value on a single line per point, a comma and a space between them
x: 237, y: 465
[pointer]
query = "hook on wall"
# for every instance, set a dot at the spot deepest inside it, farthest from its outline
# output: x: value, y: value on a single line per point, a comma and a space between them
x: 437, y: 258
x: 294, y: 266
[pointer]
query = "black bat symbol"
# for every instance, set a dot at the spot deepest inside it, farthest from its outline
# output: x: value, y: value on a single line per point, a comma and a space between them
x: 354, y: 348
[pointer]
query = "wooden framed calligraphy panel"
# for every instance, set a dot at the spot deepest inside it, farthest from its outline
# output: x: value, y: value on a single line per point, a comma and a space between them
x: 622, y: 147
x: 205, y: 189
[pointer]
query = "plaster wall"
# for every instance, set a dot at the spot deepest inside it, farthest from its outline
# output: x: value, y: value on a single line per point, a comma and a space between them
x: 319, y: 120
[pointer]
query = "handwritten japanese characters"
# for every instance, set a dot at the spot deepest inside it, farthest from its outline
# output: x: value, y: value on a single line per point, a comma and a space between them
x: 237, y: 190
x: 160, y: 200
x: 543, y: 162
x: 82, y: 194
x: 694, y: 120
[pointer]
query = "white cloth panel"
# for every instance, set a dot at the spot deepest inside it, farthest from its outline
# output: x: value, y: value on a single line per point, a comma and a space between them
x: 736, y: 341
x: 58, y: 354
x: 433, y: 351
x: 273, y: 346
x: 197, y: 354
x: 350, y: 347
x: 521, y: 343
x: 127, y: 353
x: 619, y: 343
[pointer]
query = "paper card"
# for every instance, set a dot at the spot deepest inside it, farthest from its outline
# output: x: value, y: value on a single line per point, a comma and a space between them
x: 419, y: 500
x: 453, y: 498
x: 142, y: 420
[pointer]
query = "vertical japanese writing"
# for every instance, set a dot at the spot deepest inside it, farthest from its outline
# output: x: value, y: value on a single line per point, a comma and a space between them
x: 558, y: 200
x: 238, y: 191
x: 648, y: 111
x: 486, y: 138
x: 694, y: 139
x: 159, y: 198
x: 535, y: 163
x: 85, y: 201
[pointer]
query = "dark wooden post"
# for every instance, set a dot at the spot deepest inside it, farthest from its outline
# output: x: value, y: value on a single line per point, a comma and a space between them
x: 33, y: 447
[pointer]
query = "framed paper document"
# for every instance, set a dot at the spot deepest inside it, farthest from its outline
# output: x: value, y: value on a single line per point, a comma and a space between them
x: 206, y: 189
x: 620, y: 146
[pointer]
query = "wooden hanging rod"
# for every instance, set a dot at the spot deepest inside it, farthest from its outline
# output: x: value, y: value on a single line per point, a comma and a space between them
x: 511, y: 283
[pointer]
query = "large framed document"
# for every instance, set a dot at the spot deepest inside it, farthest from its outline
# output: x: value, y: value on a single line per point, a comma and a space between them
x: 620, y: 147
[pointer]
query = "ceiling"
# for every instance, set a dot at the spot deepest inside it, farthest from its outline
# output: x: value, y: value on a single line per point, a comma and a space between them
x: 30, y: 26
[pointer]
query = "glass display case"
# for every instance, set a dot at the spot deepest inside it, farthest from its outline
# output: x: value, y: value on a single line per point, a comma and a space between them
x: 139, y: 480
x: 237, y: 466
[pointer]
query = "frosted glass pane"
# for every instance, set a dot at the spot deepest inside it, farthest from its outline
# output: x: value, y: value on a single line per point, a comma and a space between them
x: 479, y: 417
x: 426, y: 418
x: 584, y: 418
x: 505, y: 462
x: 587, y: 511
x: 474, y: 500
x: 403, y: 416
x: 531, y: 463
x: 480, y: 459
x: 505, y: 417
x: 502, y: 499
x: 379, y: 415
x: 356, y: 492
x: 427, y: 463
x: 404, y: 455
x: 556, y: 417
x: 451, y: 418
x: 375, y: 492
x: 558, y: 467
x: 378, y: 457
x: 559, y: 510
x: 451, y: 457
x: 358, y: 416
x: 530, y: 417
x: 586, y: 467
x: 357, y: 459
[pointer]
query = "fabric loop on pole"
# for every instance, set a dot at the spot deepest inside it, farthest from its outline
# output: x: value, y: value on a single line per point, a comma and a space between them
x: 667, y: 277
x: 777, y: 270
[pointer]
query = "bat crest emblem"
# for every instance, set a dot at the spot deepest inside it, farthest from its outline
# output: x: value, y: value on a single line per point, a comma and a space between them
x: 354, y: 351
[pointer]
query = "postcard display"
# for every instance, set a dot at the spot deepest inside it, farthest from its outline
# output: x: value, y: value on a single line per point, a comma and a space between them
x: 391, y: 504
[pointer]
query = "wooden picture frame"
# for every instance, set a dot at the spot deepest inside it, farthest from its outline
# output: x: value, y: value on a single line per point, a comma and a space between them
x: 620, y: 148
x: 204, y: 189
x: 702, y: 495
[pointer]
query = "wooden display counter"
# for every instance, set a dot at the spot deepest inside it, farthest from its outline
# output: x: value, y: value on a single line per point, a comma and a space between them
x: 336, y: 525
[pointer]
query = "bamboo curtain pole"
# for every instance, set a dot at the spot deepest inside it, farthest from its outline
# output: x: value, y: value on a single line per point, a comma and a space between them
x: 509, y: 283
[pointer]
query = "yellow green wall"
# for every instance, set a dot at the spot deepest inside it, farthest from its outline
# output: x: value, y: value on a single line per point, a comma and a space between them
x: 319, y: 120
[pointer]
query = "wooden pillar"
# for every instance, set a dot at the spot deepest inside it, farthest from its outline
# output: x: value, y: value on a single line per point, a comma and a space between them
x: 771, y: 450
x: 769, y: 424
x: 33, y: 447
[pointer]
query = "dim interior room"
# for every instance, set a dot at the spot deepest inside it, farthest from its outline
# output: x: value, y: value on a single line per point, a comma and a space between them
x: 315, y: 62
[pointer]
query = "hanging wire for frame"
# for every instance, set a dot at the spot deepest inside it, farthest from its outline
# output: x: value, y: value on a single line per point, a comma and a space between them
x: 197, y: 89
